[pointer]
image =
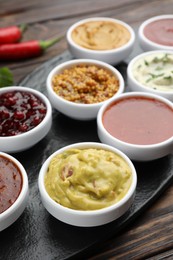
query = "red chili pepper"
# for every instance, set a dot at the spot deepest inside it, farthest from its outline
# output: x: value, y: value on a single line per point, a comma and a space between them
x: 24, y: 50
x: 11, y: 34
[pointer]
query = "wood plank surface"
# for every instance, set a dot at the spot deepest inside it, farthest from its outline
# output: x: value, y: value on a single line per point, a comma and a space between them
x: 151, y: 236
x: 47, y: 19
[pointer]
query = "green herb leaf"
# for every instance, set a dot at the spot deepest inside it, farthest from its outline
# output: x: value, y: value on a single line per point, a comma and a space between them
x: 154, y: 76
x: 148, y: 80
x: 6, y: 77
x: 156, y: 60
x: 166, y: 58
x: 168, y: 78
x: 146, y: 62
x: 159, y: 68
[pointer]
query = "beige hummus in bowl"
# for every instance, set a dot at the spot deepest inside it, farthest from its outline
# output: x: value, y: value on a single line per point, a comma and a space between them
x: 101, y: 35
x: 106, y: 39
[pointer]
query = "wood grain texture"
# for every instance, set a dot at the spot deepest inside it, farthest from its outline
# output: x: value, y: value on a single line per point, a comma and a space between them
x: 47, y: 19
x: 151, y: 236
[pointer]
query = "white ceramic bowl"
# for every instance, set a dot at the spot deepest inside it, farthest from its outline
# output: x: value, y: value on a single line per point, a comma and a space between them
x: 10, y: 215
x: 150, y: 45
x: 112, y: 56
x: 135, y: 85
x: 26, y: 140
x: 137, y: 152
x: 77, y: 110
x: 87, y: 218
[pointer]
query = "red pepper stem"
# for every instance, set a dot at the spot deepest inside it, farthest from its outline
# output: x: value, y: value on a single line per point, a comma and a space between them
x: 46, y: 44
x: 22, y: 27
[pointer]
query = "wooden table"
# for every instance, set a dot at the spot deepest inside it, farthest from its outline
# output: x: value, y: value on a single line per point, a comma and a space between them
x: 151, y: 235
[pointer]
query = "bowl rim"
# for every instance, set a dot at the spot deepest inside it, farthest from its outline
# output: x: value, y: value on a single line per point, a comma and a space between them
x: 71, y: 63
x: 124, y: 96
x: 100, y: 52
x: 145, y: 39
x: 85, y: 145
x: 140, y: 85
x: 43, y: 98
x: 24, y: 191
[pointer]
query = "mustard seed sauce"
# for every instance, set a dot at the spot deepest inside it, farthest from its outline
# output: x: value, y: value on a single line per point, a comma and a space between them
x: 86, y: 84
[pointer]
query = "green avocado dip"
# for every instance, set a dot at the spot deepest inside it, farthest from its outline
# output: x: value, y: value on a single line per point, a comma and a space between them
x: 87, y: 179
x: 155, y: 71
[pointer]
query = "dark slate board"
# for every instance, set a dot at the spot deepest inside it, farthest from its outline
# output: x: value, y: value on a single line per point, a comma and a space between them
x: 36, y: 234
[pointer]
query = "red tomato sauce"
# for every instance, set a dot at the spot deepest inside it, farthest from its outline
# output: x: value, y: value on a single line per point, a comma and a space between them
x: 160, y: 32
x: 139, y: 120
x: 10, y: 183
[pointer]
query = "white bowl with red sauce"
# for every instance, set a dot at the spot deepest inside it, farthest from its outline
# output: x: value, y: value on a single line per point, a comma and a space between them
x: 14, y: 190
x: 155, y: 33
x: 25, y: 118
x: 82, y: 108
x: 87, y: 217
x: 139, y: 124
x: 114, y: 54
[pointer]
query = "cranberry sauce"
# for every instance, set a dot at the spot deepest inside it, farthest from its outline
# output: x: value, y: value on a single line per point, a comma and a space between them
x: 20, y: 111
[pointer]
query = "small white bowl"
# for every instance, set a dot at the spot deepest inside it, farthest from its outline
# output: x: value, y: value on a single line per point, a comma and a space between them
x: 112, y: 56
x: 136, y: 85
x: 135, y: 151
x: 77, y: 110
x: 87, y: 218
x: 26, y: 140
x: 10, y: 215
x: 150, y: 45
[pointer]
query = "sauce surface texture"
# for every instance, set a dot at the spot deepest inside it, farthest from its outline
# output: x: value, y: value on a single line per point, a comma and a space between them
x: 87, y: 179
x: 85, y: 84
x: 20, y: 112
x: 160, y: 32
x: 10, y: 183
x: 155, y: 71
x: 101, y: 35
x: 139, y: 120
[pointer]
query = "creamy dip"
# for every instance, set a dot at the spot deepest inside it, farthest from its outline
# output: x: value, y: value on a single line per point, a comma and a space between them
x: 155, y: 71
x: 87, y: 179
x: 101, y: 35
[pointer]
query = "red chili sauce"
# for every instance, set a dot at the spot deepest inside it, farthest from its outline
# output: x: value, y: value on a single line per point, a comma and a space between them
x: 139, y: 120
x: 160, y: 32
x: 10, y: 183
x: 20, y: 112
